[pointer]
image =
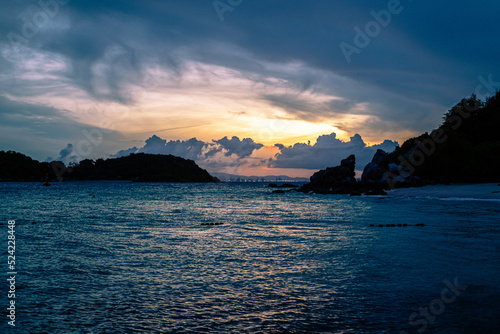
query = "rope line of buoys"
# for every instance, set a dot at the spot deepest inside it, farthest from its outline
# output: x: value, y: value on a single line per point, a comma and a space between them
x: 396, y: 225
x: 214, y: 224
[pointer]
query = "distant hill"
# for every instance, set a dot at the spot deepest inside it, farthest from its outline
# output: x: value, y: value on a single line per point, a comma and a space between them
x: 268, y: 178
x: 135, y: 167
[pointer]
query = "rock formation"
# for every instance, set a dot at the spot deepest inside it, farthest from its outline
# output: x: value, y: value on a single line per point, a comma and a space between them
x: 383, y: 172
x: 334, y: 180
x: 375, y: 171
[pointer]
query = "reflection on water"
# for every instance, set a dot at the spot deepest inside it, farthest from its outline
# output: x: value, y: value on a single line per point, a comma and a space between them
x: 103, y: 257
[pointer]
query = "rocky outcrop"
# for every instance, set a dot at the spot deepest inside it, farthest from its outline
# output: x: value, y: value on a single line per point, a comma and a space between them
x: 283, y: 185
x: 384, y: 172
x: 375, y: 171
x: 380, y: 174
x: 376, y: 192
x: 334, y: 180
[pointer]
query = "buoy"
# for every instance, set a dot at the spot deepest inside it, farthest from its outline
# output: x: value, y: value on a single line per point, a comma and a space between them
x: 46, y: 184
x: 394, y: 225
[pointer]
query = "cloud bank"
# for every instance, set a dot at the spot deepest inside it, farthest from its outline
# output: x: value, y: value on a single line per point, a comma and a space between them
x: 222, y: 153
x: 328, y: 151
x: 217, y: 154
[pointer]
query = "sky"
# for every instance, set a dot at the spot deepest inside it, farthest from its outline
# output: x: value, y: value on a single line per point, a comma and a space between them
x: 243, y: 87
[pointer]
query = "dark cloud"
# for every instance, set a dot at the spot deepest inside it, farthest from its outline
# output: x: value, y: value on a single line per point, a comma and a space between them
x: 328, y: 151
x: 65, y: 152
x: 296, y: 106
x: 126, y: 152
x: 407, y: 76
x: 343, y: 106
x: 302, y: 107
x: 240, y: 148
x: 66, y: 155
x: 188, y: 149
x: 34, y: 129
x: 38, y: 131
x: 406, y: 58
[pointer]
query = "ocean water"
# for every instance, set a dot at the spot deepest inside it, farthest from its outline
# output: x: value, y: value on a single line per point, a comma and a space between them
x: 120, y: 257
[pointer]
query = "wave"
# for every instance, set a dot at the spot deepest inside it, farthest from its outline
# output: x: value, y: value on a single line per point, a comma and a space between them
x: 467, y: 199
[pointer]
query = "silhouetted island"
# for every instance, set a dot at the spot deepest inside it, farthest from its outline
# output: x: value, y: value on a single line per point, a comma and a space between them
x: 464, y: 149
x: 139, y: 167
x: 15, y: 166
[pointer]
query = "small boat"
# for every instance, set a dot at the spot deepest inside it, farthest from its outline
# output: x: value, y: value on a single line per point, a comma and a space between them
x: 46, y: 184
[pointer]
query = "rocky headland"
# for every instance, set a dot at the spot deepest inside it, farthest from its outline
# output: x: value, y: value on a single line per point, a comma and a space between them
x: 464, y: 149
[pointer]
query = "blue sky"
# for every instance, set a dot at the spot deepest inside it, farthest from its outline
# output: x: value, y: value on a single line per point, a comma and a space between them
x: 268, y: 78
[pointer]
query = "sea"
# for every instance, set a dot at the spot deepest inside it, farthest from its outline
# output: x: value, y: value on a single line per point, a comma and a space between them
x: 124, y: 257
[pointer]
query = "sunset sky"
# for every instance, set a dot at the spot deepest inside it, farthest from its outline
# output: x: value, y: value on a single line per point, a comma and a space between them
x: 244, y: 87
